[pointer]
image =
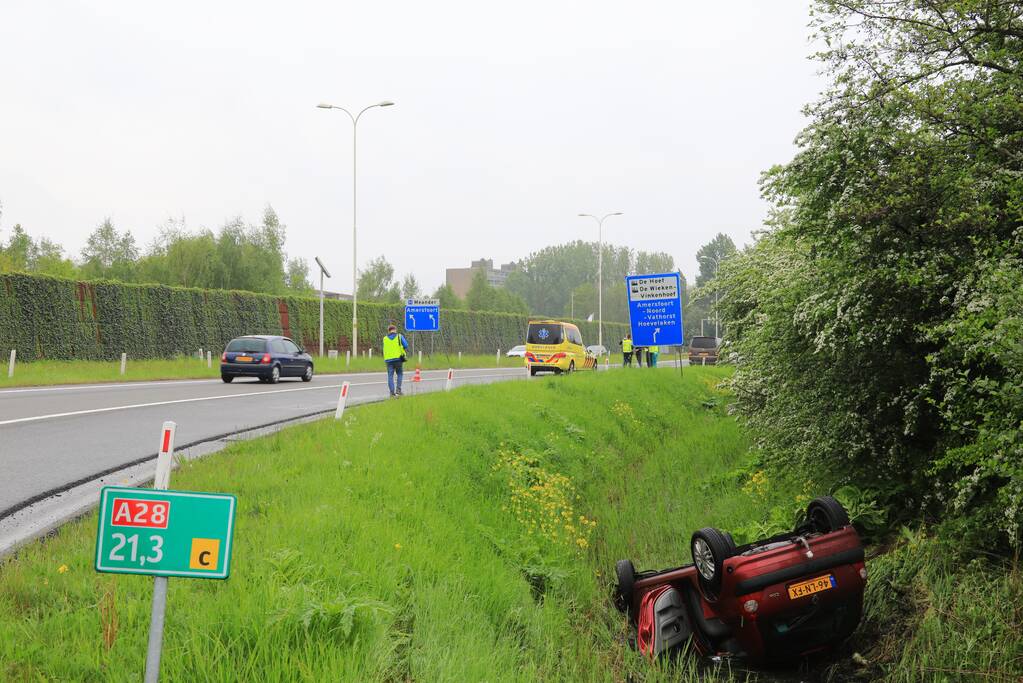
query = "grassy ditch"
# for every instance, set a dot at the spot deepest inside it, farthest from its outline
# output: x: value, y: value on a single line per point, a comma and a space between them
x: 464, y: 536
x: 51, y: 372
x: 470, y: 536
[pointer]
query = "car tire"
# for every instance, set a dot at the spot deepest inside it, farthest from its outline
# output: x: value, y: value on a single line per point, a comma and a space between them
x: 710, y: 549
x: 275, y: 375
x: 308, y: 376
x: 532, y: 372
x: 625, y: 572
x: 227, y: 379
x: 825, y: 514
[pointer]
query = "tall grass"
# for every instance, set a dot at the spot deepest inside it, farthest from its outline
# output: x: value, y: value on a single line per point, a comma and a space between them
x: 50, y: 372
x: 407, y: 543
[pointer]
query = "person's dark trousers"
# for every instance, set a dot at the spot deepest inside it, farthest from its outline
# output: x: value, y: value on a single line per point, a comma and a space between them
x: 395, y: 367
x: 627, y: 358
x: 639, y: 358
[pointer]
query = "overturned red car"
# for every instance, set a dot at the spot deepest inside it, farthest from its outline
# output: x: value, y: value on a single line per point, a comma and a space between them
x: 769, y: 602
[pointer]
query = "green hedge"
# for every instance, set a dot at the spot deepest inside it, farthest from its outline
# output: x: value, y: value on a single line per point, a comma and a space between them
x: 47, y: 317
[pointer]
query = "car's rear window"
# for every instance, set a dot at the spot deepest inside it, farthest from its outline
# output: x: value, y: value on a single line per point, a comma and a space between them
x: 545, y: 333
x: 704, y: 343
x: 247, y: 345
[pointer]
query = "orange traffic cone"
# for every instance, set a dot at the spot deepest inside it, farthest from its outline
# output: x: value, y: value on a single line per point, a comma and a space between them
x: 418, y: 377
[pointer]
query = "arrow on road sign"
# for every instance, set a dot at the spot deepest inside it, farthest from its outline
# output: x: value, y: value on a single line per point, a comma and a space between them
x: 412, y: 318
x: 656, y: 330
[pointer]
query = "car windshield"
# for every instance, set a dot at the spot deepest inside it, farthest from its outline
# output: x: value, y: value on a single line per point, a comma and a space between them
x: 704, y: 343
x: 545, y: 333
x: 247, y: 345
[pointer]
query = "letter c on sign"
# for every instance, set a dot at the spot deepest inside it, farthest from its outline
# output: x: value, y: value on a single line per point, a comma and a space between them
x: 204, y: 558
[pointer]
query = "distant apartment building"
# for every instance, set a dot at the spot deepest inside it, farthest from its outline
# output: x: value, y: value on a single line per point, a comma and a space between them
x: 460, y: 279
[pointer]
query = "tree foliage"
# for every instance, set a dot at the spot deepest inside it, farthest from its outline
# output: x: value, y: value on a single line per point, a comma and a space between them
x: 482, y: 296
x: 876, y: 324
x: 546, y: 278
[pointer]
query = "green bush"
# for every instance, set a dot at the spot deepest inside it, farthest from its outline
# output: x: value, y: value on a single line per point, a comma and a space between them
x: 47, y: 317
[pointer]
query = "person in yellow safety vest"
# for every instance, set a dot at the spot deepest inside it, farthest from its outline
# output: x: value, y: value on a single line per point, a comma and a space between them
x: 652, y: 352
x: 395, y: 353
x: 627, y: 351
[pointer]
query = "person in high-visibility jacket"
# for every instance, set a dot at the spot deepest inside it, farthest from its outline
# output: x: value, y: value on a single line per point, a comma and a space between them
x: 627, y: 351
x: 395, y: 353
x: 652, y: 352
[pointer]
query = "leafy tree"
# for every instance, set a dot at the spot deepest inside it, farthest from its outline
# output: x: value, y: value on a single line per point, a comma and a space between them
x: 482, y: 296
x: 296, y: 279
x: 877, y: 321
x: 109, y: 254
x: 447, y: 297
x: 410, y: 287
x: 711, y: 255
x: 376, y: 282
x: 546, y: 278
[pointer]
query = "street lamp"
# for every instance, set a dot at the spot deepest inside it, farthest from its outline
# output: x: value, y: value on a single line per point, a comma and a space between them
x: 323, y: 271
x: 600, y: 271
x: 355, y: 273
x: 717, y: 320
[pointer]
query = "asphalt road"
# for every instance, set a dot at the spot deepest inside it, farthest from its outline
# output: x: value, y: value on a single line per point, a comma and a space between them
x: 52, y: 438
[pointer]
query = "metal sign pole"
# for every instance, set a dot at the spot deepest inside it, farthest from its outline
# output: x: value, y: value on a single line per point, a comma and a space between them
x: 161, y: 482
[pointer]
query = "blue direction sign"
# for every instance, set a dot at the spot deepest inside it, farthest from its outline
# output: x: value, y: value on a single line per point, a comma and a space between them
x: 422, y: 315
x: 655, y: 309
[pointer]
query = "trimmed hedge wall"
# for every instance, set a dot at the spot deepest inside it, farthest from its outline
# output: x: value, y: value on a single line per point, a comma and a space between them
x: 47, y: 317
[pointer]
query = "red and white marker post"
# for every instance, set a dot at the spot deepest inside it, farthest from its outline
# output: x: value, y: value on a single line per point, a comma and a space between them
x: 164, y: 460
x: 451, y: 379
x: 342, y: 399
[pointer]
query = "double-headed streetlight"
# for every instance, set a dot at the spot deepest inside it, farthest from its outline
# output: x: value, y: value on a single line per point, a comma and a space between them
x: 323, y: 271
x: 600, y: 271
x: 355, y: 272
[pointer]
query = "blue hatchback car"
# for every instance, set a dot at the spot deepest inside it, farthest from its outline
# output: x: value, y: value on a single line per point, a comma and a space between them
x: 267, y: 357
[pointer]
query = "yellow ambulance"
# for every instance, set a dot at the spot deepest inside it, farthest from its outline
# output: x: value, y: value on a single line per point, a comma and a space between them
x: 555, y: 346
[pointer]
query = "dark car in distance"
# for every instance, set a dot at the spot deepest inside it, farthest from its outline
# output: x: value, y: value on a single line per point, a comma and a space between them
x: 268, y: 357
x: 704, y: 350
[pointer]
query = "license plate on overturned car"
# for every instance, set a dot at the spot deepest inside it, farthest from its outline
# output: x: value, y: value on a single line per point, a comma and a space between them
x: 804, y: 588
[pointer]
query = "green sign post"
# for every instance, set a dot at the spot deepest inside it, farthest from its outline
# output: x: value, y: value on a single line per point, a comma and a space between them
x: 164, y: 533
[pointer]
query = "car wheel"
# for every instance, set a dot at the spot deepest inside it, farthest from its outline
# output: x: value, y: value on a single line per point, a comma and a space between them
x: 710, y: 549
x: 626, y: 574
x: 308, y: 376
x: 825, y: 514
x: 275, y: 375
x: 532, y: 372
x: 227, y: 378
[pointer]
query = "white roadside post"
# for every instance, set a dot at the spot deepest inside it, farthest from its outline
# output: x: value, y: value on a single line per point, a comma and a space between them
x: 209, y: 358
x: 420, y: 356
x: 348, y: 357
x: 10, y: 366
x: 200, y: 354
x: 124, y: 362
x: 342, y: 399
x: 497, y: 358
x: 162, y: 483
x: 607, y: 362
x: 451, y: 377
x: 459, y: 358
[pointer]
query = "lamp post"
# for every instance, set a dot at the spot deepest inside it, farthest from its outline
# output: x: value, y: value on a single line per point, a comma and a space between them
x: 717, y: 321
x: 600, y: 271
x: 323, y: 271
x: 355, y: 272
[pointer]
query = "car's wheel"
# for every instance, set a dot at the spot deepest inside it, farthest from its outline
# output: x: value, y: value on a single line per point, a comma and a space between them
x: 532, y: 372
x: 308, y: 376
x: 825, y: 514
x: 626, y: 574
x: 710, y: 549
x: 227, y: 378
x: 275, y: 375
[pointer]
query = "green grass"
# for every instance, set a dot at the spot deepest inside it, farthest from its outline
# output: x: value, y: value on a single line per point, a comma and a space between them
x: 49, y: 372
x: 388, y: 547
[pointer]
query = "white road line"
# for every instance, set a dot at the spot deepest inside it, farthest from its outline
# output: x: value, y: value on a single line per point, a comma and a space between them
x: 109, y: 409
x: 179, y: 382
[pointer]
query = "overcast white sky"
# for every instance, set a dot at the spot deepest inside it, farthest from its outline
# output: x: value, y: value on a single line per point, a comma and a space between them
x: 510, y: 120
